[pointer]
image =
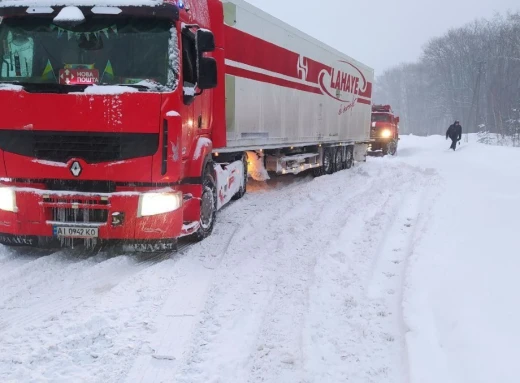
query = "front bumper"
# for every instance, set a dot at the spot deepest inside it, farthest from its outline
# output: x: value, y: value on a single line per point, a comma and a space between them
x: 115, y: 215
x: 378, y: 143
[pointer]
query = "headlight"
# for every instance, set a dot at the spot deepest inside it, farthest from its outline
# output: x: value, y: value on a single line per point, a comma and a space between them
x: 158, y: 203
x: 7, y: 199
x: 386, y: 133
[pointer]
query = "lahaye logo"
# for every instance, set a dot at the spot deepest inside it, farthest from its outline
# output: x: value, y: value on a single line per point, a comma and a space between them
x: 343, y: 83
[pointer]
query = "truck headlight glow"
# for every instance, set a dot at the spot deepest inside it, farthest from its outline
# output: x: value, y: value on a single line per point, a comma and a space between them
x: 7, y: 199
x: 386, y: 133
x: 158, y: 203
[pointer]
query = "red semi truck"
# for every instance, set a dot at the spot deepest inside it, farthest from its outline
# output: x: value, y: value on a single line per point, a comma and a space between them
x: 134, y: 121
x: 384, y: 130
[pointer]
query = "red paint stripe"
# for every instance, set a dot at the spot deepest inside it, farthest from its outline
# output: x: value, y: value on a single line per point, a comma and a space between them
x: 368, y: 91
x: 248, y: 49
x: 244, y: 73
x: 363, y: 101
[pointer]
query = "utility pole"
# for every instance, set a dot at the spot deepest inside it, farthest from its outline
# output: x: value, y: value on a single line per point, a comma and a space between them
x: 476, y: 93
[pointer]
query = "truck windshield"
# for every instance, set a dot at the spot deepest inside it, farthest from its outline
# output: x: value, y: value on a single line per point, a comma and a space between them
x: 380, y: 117
x: 104, y: 51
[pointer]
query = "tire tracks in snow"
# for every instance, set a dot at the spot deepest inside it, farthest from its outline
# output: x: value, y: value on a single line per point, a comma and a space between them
x: 252, y: 326
x: 81, y: 318
x: 355, y: 329
x: 191, y: 294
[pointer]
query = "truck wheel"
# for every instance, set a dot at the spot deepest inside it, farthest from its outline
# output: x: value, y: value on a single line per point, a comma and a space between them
x: 208, y: 204
x: 328, y: 158
x: 338, y: 159
x: 243, y: 188
x: 391, y: 148
x: 350, y: 157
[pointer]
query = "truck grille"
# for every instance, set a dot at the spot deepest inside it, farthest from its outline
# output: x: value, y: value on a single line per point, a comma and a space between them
x: 79, y: 215
x: 91, y: 147
x: 90, y: 210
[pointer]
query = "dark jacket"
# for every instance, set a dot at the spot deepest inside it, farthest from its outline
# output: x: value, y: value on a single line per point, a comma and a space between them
x: 454, y: 132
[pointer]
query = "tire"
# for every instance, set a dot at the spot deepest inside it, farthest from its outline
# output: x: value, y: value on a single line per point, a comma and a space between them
x: 328, y: 161
x: 208, y: 204
x: 343, y: 157
x: 243, y: 189
x: 349, y: 161
x: 338, y: 159
x: 391, y: 148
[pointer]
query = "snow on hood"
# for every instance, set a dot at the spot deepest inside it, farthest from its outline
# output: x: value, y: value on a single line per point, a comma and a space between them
x: 11, y: 87
x: 108, y: 90
x: 50, y: 163
x: 78, y: 3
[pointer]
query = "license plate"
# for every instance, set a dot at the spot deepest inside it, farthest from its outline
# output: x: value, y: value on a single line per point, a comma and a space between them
x: 75, y: 232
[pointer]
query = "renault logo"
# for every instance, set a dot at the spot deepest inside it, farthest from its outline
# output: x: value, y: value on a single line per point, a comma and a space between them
x: 75, y: 169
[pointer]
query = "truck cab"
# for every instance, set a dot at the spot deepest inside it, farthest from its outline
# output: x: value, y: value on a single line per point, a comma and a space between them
x: 384, y: 130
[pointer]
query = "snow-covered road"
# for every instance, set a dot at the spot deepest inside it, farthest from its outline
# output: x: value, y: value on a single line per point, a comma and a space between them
x: 399, y: 270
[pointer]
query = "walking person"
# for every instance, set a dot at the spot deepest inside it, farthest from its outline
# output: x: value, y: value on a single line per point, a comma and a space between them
x: 454, y: 132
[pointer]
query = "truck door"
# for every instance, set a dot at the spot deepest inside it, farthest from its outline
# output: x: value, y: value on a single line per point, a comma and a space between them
x: 192, y: 104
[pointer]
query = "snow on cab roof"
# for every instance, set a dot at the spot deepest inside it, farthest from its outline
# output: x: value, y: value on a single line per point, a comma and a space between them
x: 78, y: 3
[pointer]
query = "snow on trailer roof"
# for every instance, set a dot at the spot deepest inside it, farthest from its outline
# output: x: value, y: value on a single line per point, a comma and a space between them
x: 79, y: 3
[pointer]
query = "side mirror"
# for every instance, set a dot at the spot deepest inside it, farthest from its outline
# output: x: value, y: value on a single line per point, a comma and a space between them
x: 205, y: 41
x: 397, y: 120
x: 207, y: 73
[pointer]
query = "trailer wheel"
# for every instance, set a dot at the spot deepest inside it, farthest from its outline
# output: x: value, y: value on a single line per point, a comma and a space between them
x: 328, y: 161
x: 343, y: 157
x: 338, y: 159
x: 243, y: 189
x: 208, y: 204
x: 349, y: 157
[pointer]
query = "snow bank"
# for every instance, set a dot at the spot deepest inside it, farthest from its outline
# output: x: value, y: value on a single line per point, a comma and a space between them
x: 462, y: 277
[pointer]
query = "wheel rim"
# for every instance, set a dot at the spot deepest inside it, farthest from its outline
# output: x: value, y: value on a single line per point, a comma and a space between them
x: 207, y: 208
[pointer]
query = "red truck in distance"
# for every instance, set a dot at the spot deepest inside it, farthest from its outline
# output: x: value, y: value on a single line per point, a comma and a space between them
x: 384, y: 130
x: 133, y: 121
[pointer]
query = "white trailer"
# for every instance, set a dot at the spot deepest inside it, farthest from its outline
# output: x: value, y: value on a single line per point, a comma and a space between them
x: 301, y: 102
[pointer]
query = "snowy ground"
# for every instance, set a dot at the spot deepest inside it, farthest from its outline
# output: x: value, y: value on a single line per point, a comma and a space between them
x: 399, y: 270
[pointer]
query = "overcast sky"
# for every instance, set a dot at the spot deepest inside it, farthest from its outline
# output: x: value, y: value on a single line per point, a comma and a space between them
x: 381, y: 33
